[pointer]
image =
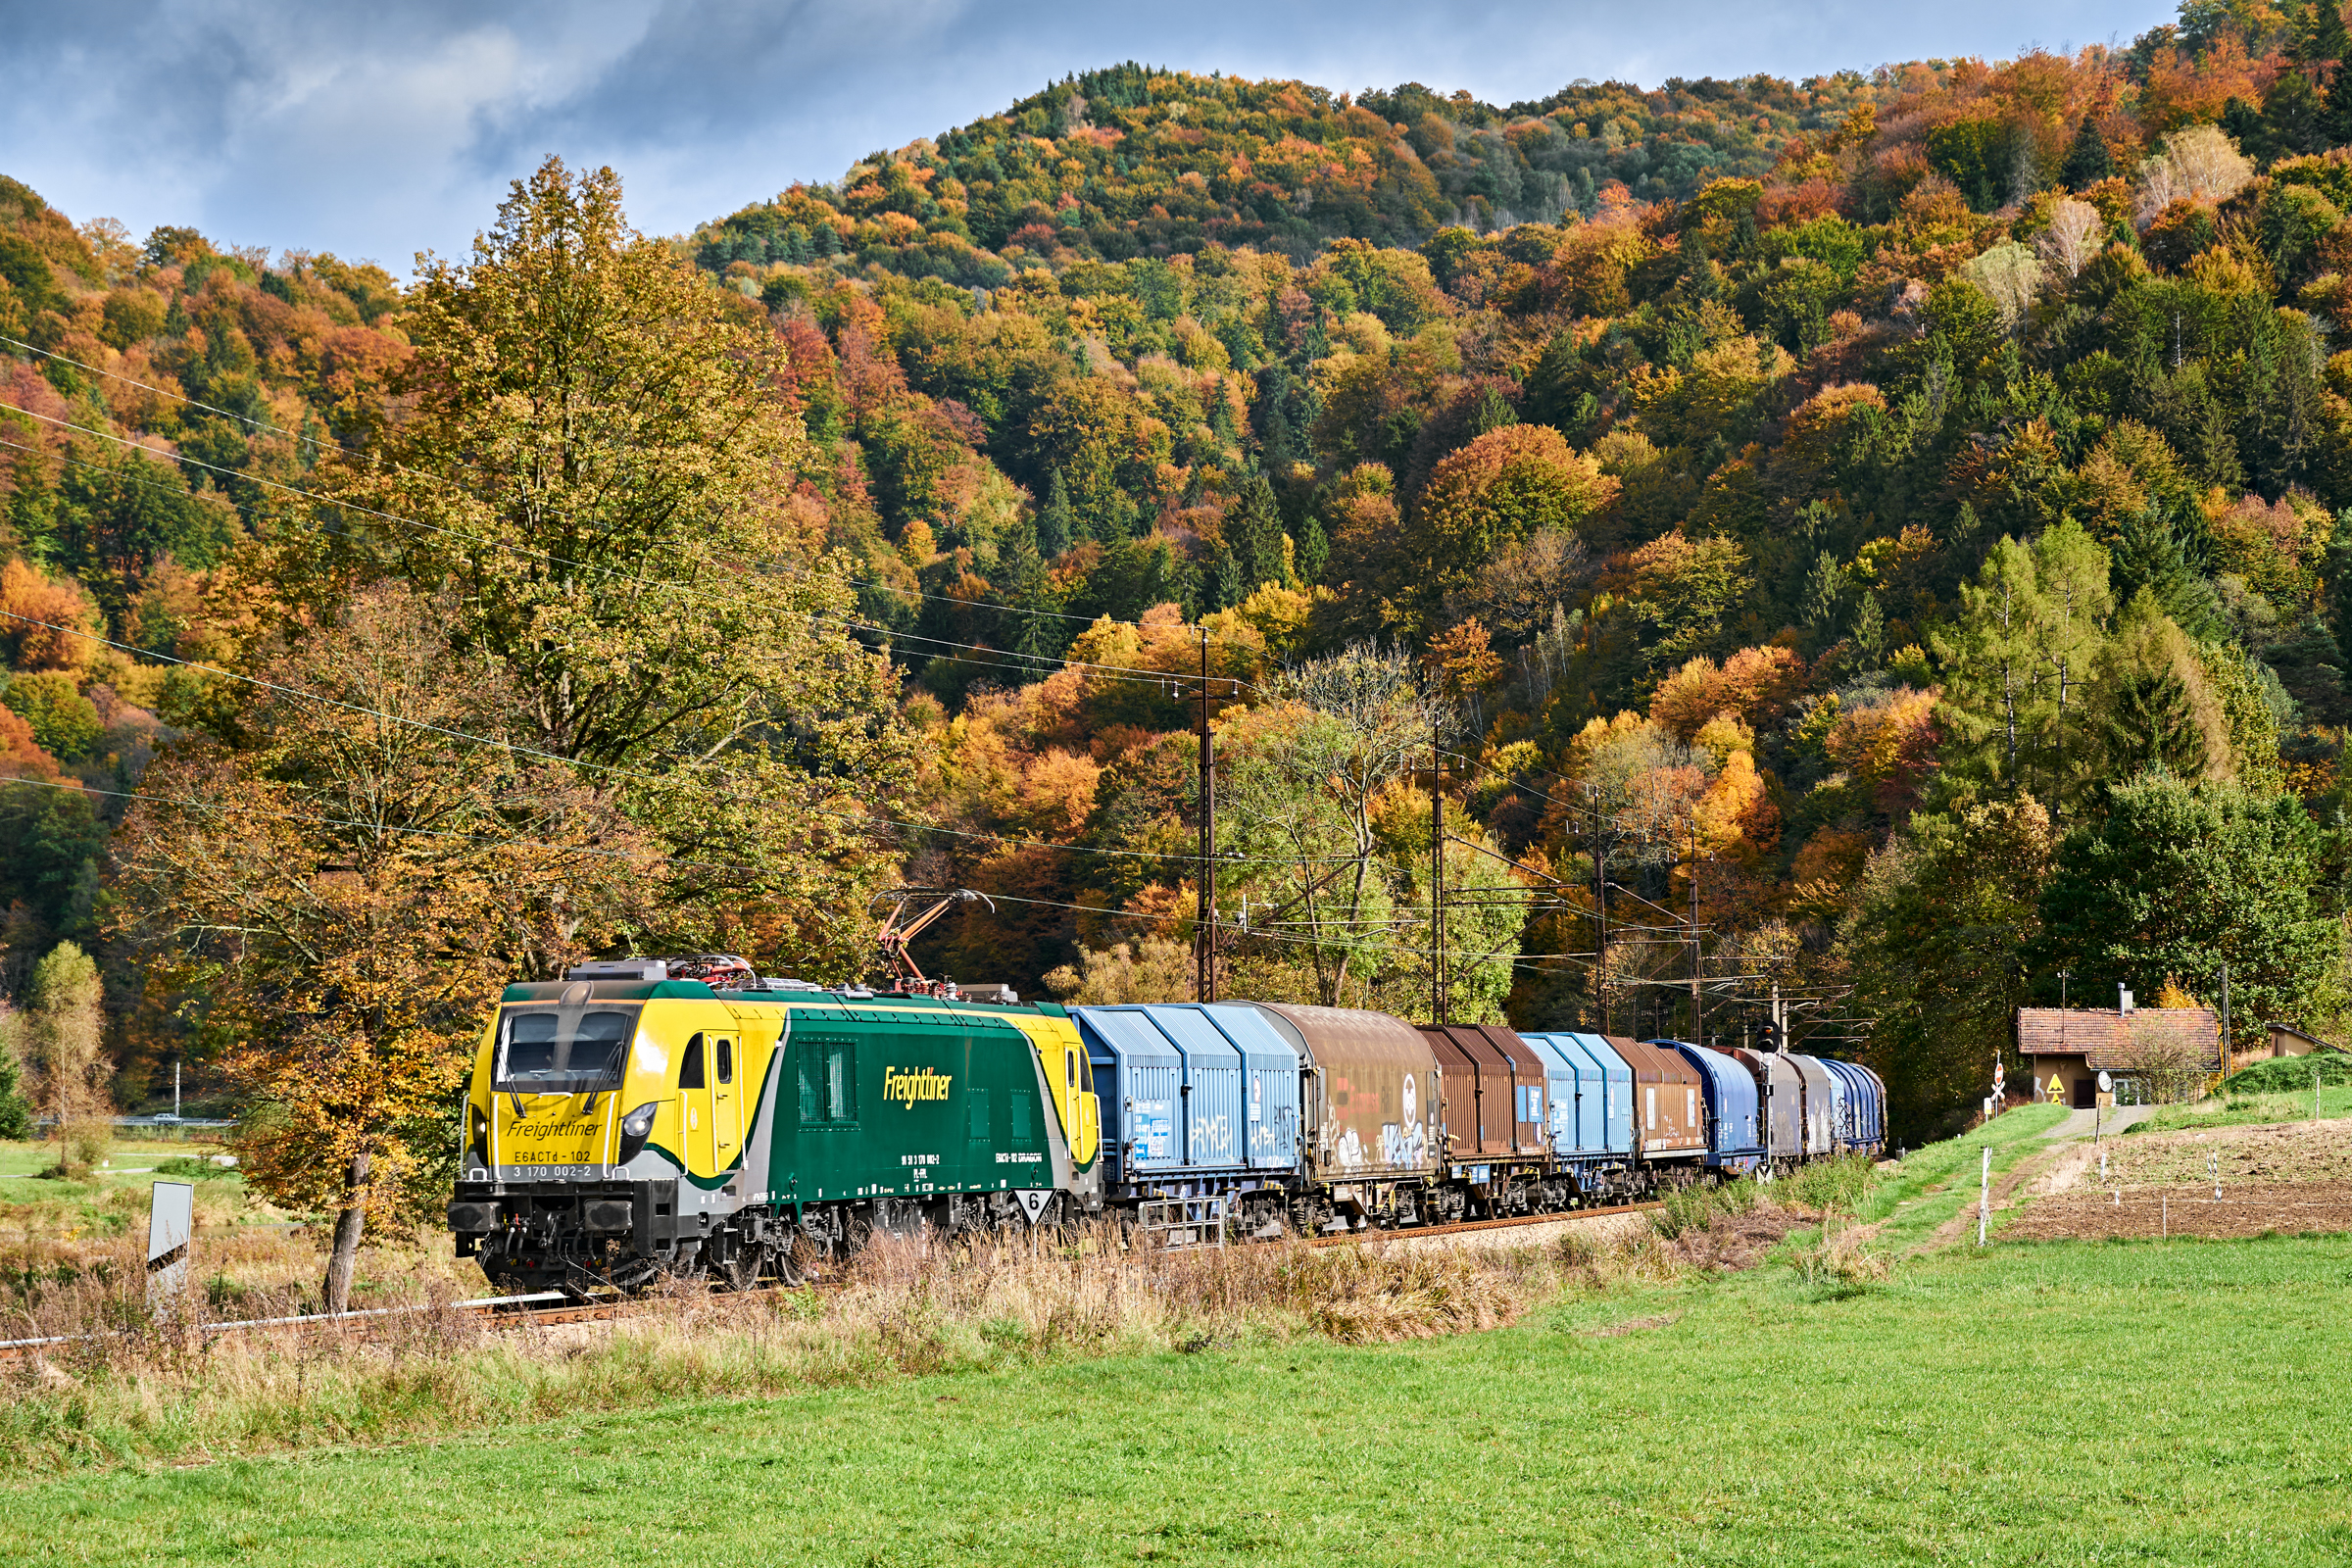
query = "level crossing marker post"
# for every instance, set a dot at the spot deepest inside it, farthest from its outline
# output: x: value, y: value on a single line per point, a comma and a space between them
x: 1984, y: 1193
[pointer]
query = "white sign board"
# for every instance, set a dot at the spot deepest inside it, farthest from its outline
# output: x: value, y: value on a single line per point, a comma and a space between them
x: 2106, y: 1084
x: 171, y: 1222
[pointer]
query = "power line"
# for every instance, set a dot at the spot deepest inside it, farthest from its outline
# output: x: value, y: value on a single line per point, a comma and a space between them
x: 315, y: 443
x: 1114, y: 671
x: 518, y: 749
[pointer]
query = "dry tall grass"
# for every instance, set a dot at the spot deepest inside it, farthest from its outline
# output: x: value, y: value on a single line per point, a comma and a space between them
x: 141, y: 1385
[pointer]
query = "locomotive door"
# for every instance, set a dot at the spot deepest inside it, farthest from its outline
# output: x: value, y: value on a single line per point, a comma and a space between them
x: 694, y: 1103
x: 726, y: 1103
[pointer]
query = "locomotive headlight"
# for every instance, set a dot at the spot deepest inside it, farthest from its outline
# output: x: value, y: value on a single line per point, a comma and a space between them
x: 635, y: 1128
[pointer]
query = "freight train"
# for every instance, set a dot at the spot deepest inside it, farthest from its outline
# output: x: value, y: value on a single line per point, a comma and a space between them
x: 625, y: 1122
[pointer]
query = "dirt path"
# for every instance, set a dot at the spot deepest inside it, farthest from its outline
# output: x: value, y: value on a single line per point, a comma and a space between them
x: 2005, y: 1184
x: 2106, y: 1123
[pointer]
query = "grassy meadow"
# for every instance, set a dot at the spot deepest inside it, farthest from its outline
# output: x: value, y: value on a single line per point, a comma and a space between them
x: 1794, y: 1373
x: 2069, y: 1403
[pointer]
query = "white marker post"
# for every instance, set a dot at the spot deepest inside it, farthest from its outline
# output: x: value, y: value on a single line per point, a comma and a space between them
x: 1983, y: 1194
x: 170, y: 1221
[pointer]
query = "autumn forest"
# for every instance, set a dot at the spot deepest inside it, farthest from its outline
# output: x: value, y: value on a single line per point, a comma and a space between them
x: 1879, y: 545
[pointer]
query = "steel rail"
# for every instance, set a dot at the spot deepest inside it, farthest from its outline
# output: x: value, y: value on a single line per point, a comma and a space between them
x: 1414, y: 1233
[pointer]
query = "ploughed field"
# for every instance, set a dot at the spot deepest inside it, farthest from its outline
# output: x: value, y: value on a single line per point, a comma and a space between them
x: 2053, y: 1403
x: 2283, y: 1177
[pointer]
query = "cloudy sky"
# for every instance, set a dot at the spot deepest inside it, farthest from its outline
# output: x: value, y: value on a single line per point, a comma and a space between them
x: 376, y: 130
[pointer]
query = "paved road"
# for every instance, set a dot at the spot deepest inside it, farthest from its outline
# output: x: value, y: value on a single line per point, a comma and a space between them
x: 2080, y: 1123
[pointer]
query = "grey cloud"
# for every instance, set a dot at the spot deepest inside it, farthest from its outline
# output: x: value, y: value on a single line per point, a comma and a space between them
x: 382, y: 129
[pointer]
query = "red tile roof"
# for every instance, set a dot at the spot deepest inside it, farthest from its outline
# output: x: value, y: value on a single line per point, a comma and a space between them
x: 2103, y: 1035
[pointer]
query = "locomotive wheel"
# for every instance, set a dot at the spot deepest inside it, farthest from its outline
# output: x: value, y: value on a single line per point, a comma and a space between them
x: 741, y: 1271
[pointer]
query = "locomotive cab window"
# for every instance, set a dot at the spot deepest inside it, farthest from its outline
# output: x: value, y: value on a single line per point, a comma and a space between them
x: 726, y: 1062
x: 690, y: 1065
x: 546, y: 1049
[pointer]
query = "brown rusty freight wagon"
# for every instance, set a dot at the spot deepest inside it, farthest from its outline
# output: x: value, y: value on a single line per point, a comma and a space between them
x: 1493, y: 1086
x: 1670, y: 1107
x: 1369, y: 1101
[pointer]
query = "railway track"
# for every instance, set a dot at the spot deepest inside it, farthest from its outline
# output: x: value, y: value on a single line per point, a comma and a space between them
x: 548, y: 1309
x: 1417, y: 1232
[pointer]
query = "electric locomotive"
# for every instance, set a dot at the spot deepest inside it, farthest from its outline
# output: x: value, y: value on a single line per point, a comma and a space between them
x: 627, y: 1121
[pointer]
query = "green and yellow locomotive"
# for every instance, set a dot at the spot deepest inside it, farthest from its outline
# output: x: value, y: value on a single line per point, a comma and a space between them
x: 621, y: 1123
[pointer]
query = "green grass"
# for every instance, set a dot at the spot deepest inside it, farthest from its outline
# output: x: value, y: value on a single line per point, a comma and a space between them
x: 2063, y: 1404
x: 2285, y: 1074
x: 1932, y: 1184
x: 2247, y: 1108
x: 107, y: 1200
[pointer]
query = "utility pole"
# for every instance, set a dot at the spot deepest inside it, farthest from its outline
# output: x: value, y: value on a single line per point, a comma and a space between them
x: 1699, y: 1028
x: 1206, y: 986
x: 2225, y: 1021
x: 1601, y: 915
x: 1436, y: 877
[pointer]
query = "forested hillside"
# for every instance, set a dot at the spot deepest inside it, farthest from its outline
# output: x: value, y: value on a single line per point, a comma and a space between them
x: 1905, y: 507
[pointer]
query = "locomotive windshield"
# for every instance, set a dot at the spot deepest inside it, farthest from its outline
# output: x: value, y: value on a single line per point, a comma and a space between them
x: 549, y: 1050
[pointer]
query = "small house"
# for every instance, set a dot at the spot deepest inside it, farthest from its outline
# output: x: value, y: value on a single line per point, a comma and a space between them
x: 2288, y: 1041
x: 2066, y: 1049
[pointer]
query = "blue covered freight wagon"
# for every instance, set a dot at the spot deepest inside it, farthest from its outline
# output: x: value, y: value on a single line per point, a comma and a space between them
x: 1734, y: 1134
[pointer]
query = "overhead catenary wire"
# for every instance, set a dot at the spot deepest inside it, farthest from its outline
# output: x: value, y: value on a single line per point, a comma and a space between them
x: 1001, y: 658
x: 315, y: 442
x: 1005, y: 658
x: 858, y: 819
x: 1008, y: 659
x: 196, y: 803
x: 679, y: 590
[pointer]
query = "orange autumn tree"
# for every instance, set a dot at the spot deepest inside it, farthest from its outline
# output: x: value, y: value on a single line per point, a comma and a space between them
x: 350, y: 888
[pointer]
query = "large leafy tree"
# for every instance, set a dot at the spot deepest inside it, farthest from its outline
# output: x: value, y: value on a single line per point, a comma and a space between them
x: 348, y: 891
x: 592, y: 459
x: 1933, y: 944
x: 1502, y: 487
x: 1304, y: 784
x: 2179, y: 878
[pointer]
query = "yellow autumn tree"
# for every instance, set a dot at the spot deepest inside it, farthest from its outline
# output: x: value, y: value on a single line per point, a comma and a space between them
x: 349, y: 890
x: 1502, y: 487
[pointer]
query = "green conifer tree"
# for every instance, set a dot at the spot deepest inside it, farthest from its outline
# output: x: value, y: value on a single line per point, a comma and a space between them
x: 2331, y: 47
x: 2242, y: 124
x: 1253, y: 534
x: 2087, y: 161
x: 2294, y: 120
x: 1058, y: 522
x: 2151, y: 554
x: 2324, y: 41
